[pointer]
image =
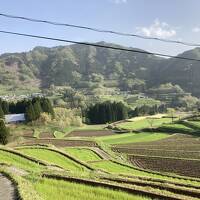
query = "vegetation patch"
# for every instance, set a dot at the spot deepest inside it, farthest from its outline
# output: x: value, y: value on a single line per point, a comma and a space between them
x: 50, y: 189
x: 144, y: 123
x: 53, y: 158
x: 133, y: 138
x: 18, y: 161
x: 83, y: 154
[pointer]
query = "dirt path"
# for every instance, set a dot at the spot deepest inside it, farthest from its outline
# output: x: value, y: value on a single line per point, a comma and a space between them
x: 7, y: 189
x: 101, y: 153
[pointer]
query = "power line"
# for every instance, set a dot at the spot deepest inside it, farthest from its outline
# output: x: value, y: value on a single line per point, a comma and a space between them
x: 101, y: 30
x: 98, y: 45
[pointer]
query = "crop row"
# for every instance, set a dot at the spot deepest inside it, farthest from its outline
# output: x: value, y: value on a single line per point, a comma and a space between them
x: 159, y: 152
x: 177, y: 166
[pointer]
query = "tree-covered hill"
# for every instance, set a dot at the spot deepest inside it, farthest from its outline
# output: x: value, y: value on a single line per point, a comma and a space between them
x: 84, y: 66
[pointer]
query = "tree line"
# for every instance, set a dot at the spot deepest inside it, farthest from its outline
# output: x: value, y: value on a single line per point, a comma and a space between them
x: 106, y: 112
x: 148, y: 110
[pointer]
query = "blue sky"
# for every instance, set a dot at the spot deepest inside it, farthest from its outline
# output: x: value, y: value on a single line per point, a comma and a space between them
x: 169, y: 19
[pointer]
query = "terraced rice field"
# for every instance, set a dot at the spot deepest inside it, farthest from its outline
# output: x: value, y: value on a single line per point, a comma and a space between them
x: 178, y: 154
x: 159, y: 152
x: 60, y: 142
x: 171, y: 165
x: 46, y: 135
x: 90, y: 133
x: 19, y: 162
x: 126, y: 138
x: 175, y: 142
x: 50, y: 189
x: 176, y: 128
x: 53, y: 158
x: 143, y: 123
x: 83, y: 154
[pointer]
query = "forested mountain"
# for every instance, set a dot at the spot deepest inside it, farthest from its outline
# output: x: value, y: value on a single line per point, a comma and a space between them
x: 81, y: 66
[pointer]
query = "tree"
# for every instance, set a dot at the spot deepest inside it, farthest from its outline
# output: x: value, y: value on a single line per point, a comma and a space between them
x: 5, y: 107
x: 151, y: 121
x: 171, y: 113
x: 37, y: 109
x: 1, y: 112
x: 101, y: 113
x: 30, y: 114
x: 47, y: 107
x: 4, y: 133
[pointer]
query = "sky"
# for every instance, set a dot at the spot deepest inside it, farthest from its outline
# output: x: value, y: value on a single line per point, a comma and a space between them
x: 167, y: 19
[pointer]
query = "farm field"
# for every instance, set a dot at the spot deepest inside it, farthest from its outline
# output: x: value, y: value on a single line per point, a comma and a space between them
x: 132, y: 137
x: 76, y: 191
x: 83, y: 154
x: 143, y: 123
x: 159, y: 152
x: 18, y: 161
x: 53, y: 158
x: 60, y: 142
x: 149, y: 162
x: 90, y: 133
x: 166, y: 155
x: 171, y: 165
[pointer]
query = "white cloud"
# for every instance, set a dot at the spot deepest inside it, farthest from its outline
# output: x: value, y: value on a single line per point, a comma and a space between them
x: 196, y: 29
x: 119, y: 1
x: 157, y: 29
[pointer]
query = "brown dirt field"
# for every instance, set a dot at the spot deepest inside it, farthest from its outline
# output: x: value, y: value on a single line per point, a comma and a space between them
x: 46, y: 135
x: 60, y: 142
x: 90, y: 133
x: 178, y: 166
x: 159, y: 152
x: 176, y: 142
x: 27, y: 133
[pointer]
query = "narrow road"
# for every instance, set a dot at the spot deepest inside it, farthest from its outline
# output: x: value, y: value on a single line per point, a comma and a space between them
x: 7, y: 189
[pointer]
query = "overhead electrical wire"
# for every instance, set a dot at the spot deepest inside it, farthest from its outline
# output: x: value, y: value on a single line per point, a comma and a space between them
x: 98, y: 45
x: 100, y: 30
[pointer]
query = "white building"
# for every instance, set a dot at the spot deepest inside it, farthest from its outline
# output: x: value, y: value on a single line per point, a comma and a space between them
x: 15, y: 118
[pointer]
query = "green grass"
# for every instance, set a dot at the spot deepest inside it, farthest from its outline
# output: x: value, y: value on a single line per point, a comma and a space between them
x: 132, y: 138
x: 19, y: 162
x: 83, y: 154
x: 53, y: 158
x: 176, y: 128
x: 50, y: 189
x: 144, y: 123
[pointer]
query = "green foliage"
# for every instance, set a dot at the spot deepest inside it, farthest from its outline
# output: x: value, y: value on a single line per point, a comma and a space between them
x: 102, y: 113
x: 46, y: 106
x: 30, y: 113
x: 1, y: 113
x: 4, y: 133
